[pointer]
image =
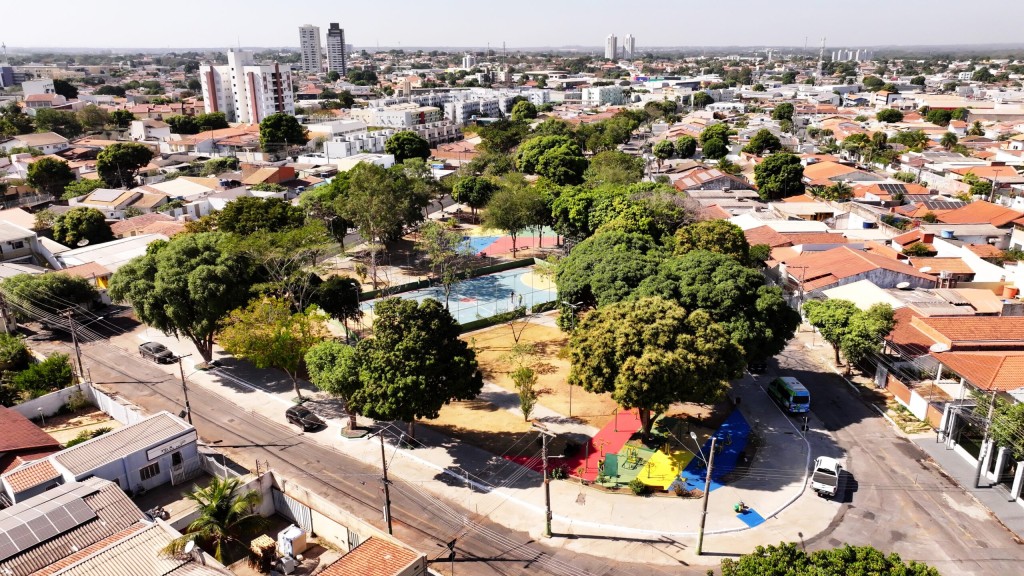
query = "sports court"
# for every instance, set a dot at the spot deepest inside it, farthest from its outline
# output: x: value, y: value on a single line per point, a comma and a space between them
x: 485, y: 296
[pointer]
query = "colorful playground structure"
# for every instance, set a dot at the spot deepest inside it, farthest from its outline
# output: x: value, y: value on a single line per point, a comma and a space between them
x: 608, y: 460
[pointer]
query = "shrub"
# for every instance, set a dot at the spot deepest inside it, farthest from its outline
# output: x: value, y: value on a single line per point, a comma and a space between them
x: 76, y: 401
x: 87, y: 435
x: 13, y: 353
x: 637, y: 487
x: 558, y: 473
x: 54, y: 373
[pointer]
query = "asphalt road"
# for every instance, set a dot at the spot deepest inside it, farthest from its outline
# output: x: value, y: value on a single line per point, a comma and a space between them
x: 894, y: 497
x: 482, y: 549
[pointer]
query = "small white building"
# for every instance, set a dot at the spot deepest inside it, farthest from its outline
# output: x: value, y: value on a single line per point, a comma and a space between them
x: 45, y: 142
x: 382, y: 160
x: 602, y: 96
x: 150, y: 129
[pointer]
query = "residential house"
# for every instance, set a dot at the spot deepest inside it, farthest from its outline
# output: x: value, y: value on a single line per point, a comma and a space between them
x: 96, y: 274
x: 709, y: 179
x: 137, y: 457
x: 22, y: 441
x: 814, y: 272
x: 134, y: 226
x: 20, y: 245
x: 149, y: 129
x: 378, y: 557
x: 36, y: 102
x: 112, y: 203
x: 45, y: 142
x: 111, y: 255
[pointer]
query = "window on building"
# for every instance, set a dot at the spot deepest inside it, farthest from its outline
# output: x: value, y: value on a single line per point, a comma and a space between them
x: 149, y: 471
x: 17, y: 245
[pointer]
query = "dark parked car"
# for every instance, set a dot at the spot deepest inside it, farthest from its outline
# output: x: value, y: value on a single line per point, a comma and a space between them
x: 156, y: 352
x: 303, y: 418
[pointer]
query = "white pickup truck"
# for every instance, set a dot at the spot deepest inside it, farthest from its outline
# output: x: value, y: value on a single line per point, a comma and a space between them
x: 825, y: 478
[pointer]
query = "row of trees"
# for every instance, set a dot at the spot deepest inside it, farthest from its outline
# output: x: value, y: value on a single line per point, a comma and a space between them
x: 91, y: 118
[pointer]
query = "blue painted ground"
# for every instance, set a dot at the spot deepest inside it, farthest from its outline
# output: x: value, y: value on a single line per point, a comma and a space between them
x: 732, y: 439
x: 484, y: 296
x: 478, y: 244
x: 750, y: 518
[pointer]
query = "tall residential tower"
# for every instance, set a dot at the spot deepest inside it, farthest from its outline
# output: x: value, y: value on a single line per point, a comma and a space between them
x: 611, y: 47
x: 629, y: 47
x: 336, y: 49
x: 309, y: 47
x: 245, y: 91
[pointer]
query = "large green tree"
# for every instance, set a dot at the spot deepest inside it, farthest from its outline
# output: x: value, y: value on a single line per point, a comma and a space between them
x: 514, y: 208
x: 523, y: 110
x: 558, y: 158
x: 119, y: 164
x: 270, y: 335
x: 80, y: 226
x: 14, y: 121
x: 379, y: 203
x: 186, y: 287
x: 614, y: 167
x: 783, y: 111
x: 414, y: 364
x: 62, y: 122
x: 849, y: 329
x: 778, y: 176
x: 649, y: 353
x: 787, y: 559
x: 48, y: 293
x: 686, y: 146
x: 719, y: 236
x: 332, y: 368
x: 50, y: 175
x: 281, y: 131
x: 77, y: 188
x: 763, y: 141
x: 407, y: 144
x: 607, y: 267
x: 226, y: 523
x: 65, y: 89
x: 474, y: 191
x: 250, y: 214
x: 736, y: 296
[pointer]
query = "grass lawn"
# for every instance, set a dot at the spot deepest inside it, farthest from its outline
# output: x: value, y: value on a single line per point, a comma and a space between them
x: 548, y: 359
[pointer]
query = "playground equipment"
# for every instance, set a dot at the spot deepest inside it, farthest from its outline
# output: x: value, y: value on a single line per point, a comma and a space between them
x: 633, y: 459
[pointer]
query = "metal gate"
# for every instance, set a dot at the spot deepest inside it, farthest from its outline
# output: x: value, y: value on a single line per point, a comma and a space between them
x: 186, y: 471
x: 293, y: 510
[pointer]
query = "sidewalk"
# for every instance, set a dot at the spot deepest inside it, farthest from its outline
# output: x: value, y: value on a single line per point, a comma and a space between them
x: 656, y: 529
x: 993, y: 497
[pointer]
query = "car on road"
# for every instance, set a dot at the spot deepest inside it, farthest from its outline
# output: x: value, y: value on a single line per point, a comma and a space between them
x: 156, y: 352
x: 303, y: 418
x: 825, y: 479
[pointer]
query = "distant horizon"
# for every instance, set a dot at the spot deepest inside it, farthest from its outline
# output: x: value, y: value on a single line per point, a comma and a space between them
x: 14, y: 50
x: 532, y: 24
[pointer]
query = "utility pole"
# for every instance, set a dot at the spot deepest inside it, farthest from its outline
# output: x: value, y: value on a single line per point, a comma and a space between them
x: 184, y: 387
x: 69, y: 314
x: 544, y: 433
x: 707, y: 488
x: 387, y: 483
x: 984, y: 441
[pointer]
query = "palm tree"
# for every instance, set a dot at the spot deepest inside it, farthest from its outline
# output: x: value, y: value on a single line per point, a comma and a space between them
x: 726, y: 166
x: 227, y: 520
x: 976, y: 129
x: 949, y: 140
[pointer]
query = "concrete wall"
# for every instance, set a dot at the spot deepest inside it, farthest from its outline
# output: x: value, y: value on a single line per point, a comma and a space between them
x: 114, y: 406
x: 51, y: 403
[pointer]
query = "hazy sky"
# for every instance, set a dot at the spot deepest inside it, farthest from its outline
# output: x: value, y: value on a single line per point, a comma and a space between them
x: 522, y: 23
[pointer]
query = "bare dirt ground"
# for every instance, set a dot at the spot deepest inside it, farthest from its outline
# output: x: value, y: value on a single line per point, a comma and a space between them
x: 65, y: 427
x: 548, y: 359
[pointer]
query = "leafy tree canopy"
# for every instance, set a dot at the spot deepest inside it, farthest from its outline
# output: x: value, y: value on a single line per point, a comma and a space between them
x: 607, y: 267
x: 50, y: 293
x: 186, y: 287
x: 557, y: 158
x: 783, y: 111
x: 614, y: 167
x: 249, y: 214
x: 80, y: 226
x: 119, y: 164
x: 719, y: 236
x: 790, y: 560
x: 778, y: 176
x: 280, y: 131
x: 407, y: 144
x: 50, y: 175
x: 763, y: 141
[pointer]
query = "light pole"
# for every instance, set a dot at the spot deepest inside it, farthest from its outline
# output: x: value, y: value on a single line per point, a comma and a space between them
x: 573, y: 308
x: 544, y: 434
x: 384, y: 479
x: 699, y: 450
x: 707, y: 488
x: 69, y: 314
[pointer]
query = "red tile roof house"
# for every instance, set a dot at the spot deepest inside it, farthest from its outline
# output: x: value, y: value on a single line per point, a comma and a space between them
x: 813, y: 272
x: 981, y: 356
x: 22, y: 441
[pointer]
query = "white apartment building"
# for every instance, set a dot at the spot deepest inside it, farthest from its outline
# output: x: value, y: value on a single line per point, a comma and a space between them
x: 398, y: 116
x: 611, y: 44
x: 244, y: 91
x: 462, y: 112
x: 31, y: 87
x: 312, y: 56
x: 468, y: 61
x: 336, y: 60
x: 603, y: 95
x: 629, y: 47
x: 345, y: 145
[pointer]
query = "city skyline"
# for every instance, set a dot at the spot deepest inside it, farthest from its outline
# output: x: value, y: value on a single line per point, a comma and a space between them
x: 536, y: 24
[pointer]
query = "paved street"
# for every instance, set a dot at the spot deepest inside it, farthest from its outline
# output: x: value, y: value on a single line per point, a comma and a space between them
x: 483, y: 549
x: 895, y: 498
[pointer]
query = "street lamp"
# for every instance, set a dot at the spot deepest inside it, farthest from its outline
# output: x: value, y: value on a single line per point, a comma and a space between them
x: 699, y: 450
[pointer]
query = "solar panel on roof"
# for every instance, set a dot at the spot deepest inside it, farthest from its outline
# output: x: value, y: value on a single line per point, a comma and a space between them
x: 7, y: 547
x: 62, y: 519
x: 43, y: 528
x: 80, y: 511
